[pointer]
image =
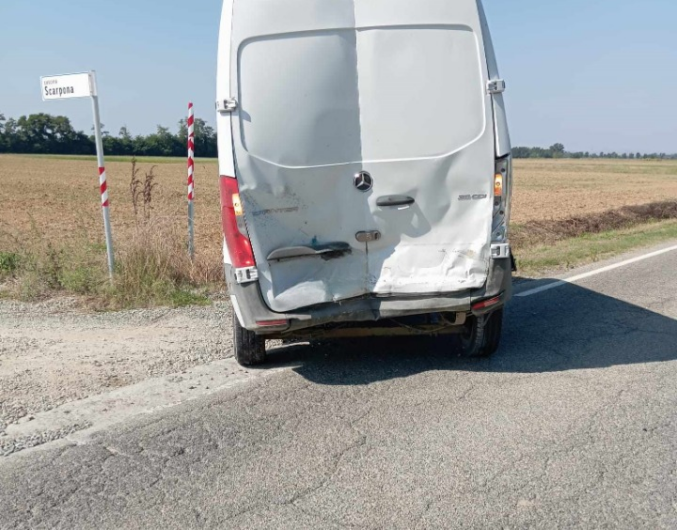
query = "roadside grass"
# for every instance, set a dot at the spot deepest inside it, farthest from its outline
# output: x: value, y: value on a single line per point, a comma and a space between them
x: 9, y: 263
x: 152, y: 269
x: 591, y: 247
x: 154, y: 266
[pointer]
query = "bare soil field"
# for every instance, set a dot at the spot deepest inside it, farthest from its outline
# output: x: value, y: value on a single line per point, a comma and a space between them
x: 58, y: 199
x: 563, y: 189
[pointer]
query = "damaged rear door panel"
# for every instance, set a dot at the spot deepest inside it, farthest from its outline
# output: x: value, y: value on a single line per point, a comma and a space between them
x: 364, y: 147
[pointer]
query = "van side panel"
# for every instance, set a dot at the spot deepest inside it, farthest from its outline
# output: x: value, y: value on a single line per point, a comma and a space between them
x: 503, y: 144
x: 223, y: 124
x: 225, y: 136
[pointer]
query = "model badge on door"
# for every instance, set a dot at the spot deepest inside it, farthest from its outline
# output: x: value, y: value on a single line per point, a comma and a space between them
x: 363, y: 181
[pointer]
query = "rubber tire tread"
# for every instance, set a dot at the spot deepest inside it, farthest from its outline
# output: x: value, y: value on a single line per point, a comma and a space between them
x: 250, y: 349
x: 488, y: 337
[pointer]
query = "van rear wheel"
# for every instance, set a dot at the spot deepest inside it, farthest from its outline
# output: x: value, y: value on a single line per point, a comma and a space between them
x: 481, y: 335
x: 250, y: 348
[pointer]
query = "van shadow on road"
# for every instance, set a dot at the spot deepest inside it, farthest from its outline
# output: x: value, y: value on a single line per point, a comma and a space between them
x: 570, y: 328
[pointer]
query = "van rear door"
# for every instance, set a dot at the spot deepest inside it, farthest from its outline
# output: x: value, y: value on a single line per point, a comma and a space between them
x: 390, y: 91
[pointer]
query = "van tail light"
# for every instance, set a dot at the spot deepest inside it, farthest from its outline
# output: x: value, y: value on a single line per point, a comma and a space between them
x: 273, y: 323
x: 486, y: 304
x: 234, y: 228
x: 498, y: 185
x: 502, y: 181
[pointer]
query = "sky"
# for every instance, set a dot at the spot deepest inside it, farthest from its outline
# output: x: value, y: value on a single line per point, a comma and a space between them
x: 594, y: 75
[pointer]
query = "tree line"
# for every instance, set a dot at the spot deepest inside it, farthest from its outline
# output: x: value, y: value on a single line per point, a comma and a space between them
x: 47, y: 134
x: 55, y: 135
x: 559, y: 151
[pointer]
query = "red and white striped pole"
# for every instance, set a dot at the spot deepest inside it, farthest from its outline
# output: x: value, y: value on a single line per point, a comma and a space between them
x: 191, y: 180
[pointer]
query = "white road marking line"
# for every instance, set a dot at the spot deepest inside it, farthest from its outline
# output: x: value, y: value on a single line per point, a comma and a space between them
x: 580, y: 277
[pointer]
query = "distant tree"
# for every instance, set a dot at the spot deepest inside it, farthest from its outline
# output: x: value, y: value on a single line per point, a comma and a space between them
x: 557, y: 150
x: 3, y: 146
x: 542, y: 153
x: 104, y: 132
x: 123, y: 144
x: 206, y: 144
x: 127, y: 143
x: 521, y: 152
x: 161, y: 143
x: 42, y: 133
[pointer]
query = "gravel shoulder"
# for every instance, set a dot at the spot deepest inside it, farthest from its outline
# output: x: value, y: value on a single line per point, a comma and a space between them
x: 54, y: 352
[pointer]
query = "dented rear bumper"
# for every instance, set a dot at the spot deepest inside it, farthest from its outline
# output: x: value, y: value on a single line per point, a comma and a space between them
x: 254, y: 314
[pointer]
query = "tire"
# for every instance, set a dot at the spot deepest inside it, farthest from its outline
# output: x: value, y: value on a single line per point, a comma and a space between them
x: 481, y: 336
x: 250, y: 349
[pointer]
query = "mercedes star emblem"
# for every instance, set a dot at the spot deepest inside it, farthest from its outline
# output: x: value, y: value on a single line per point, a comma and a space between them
x: 363, y: 181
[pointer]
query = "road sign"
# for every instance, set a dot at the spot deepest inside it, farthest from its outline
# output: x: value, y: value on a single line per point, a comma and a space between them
x: 68, y: 86
x: 83, y: 85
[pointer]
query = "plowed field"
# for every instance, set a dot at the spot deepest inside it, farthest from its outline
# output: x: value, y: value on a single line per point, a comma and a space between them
x: 562, y: 189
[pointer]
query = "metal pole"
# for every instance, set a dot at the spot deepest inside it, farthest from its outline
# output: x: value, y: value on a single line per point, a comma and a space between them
x: 105, y: 203
x: 191, y: 181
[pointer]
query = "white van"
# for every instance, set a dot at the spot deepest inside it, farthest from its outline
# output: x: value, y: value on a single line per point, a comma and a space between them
x: 366, y: 171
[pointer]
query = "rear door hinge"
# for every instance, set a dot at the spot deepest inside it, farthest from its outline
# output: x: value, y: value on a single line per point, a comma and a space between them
x: 496, y: 86
x: 227, y: 105
x: 500, y: 250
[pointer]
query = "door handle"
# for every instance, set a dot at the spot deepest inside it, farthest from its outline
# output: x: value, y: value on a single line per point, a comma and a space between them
x: 393, y: 201
x: 330, y: 251
x: 368, y: 237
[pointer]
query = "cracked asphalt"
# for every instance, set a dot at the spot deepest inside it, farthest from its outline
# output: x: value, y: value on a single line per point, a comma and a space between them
x: 571, y: 425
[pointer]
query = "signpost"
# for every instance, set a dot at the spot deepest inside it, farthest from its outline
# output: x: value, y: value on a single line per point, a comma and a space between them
x: 83, y: 85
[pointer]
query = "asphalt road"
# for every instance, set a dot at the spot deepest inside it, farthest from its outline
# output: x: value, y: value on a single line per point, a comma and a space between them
x: 572, y: 424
